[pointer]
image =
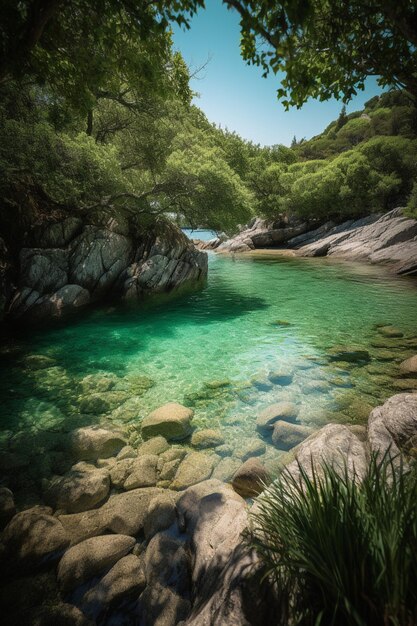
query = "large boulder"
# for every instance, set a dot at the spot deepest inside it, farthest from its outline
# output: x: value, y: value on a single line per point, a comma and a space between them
x: 279, y: 411
x: 33, y: 536
x: 94, y: 442
x: 78, y: 490
x: 228, y: 588
x: 172, y: 421
x: 392, y: 427
x: 91, y: 557
x: 250, y: 479
x: 334, y: 445
x: 69, y: 264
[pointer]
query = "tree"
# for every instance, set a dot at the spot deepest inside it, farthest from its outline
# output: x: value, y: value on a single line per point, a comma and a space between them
x: 328, y: 48
x: 342, y: 119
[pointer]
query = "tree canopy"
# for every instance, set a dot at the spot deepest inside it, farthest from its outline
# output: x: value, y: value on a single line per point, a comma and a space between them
x: 327, y: 48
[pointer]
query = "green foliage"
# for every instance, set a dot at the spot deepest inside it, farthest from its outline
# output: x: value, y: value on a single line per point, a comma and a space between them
x: 342, y: 553
x: 327, y: 49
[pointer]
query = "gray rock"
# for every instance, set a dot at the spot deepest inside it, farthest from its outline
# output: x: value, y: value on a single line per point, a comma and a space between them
x: 161, y: 514
x: 126, y: 579
x: 226, y: 469
x: 226, y: 576
x: 127, y: 453
x: 91, y: 557
x: 196, y: 467
x: 335, y: 445
x: 120, y: 471
x: 390, y: 238
x: 155, y: 445
x: 94, y: 442
x: 255, y: 448
x: 78, y: 490
x: 250, y: 479
x: 393, y: 426
x: 409, y: 366
x: 33, y: 536
x: 142, y: 472
x: 285, y: 436
x: 172, y: 421
x: 279, y: 411
x: 123, y: 513
x: 160, y: 606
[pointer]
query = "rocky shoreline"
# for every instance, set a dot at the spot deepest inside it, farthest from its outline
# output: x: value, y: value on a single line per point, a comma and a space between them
x: 389, y: 239
x: 150, y: 533
x: 68, y: 264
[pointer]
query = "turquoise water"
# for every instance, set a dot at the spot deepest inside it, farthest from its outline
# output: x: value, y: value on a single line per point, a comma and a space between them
x: 213, y: 349
x: 200, y: 233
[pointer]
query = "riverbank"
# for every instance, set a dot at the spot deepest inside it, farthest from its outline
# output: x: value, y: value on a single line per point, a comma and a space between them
x: 389, y: 239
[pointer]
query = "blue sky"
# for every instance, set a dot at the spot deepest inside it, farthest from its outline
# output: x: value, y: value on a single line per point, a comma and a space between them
x: 236, y: 96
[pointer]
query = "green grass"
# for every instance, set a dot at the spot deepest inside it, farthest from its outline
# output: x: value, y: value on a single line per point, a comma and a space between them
x: 342, y: 552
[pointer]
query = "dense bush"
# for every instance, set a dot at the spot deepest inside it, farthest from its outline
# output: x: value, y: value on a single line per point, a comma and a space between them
x: 342, y: 553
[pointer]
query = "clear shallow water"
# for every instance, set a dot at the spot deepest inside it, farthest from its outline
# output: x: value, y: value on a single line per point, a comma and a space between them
x: 207, y: 349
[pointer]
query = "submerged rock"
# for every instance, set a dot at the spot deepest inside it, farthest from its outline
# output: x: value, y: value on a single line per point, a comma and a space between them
x: 349, y: 354
x: 281, y: 377
x: 208, y: 438
x: 409, y: 366
x: 271, y: 414
x: 285, y: 435
x: 390, y: 331
x: 7, y: 506
x: 172, y: 421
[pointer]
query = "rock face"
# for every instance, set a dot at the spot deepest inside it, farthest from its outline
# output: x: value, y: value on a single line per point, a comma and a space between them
x: 172, y: 421
x: 70, y: 264
x: 392, y: 427
x: 390, y: 239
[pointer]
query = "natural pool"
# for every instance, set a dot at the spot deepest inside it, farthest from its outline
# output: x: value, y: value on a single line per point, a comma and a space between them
x: 213, y: 350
